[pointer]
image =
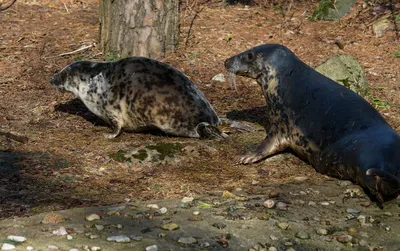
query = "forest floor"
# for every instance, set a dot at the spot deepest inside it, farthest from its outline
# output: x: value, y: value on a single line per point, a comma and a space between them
x: 63, y: 161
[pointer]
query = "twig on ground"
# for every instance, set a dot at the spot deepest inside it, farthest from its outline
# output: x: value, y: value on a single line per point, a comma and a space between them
x: 66, y: 8
x: 7, y: 5
x: 75, y: 51
x: 191, y: 25
x: 19, y: 138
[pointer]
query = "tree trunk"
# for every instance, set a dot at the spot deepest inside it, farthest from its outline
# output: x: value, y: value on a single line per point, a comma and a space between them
x: 139, y: 27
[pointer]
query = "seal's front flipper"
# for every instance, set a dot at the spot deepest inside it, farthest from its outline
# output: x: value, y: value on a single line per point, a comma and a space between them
x: 385, y: 184
x: 269, y: 146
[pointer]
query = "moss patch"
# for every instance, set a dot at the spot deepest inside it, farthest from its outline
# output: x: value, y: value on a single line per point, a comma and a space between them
x: 119, y: 156
x: 141, y: 155
x: 165, y: 149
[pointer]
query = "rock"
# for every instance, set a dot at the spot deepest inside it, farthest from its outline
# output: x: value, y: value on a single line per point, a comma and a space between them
x: 136, y: 237
x: 152, y: 248
x: 16, y: 238
x: 344, y: 183
x: 29, y: 248
x: 301, y: 178
x: 7, y: 246
x: 312, y: 203
x: 352, y: 230
x: 187, y: 199
x: 163, y: 210
x: 219, y: 78
x: 229, y: 195
x: 273, y: 237
x: 196, y: 213
x: 52, y: 247
x: 363, y: 243
x: 69, y: 237
x: 92, y: 236
x: 92, y: 217
x: 61, y: 231
x: 269, y: 203
x: 95, y: 248
x: 187, y: 240
x: 205, y: 245
x: 303, y: 235
x: 322, y: 231
x: 345, y: 238
x: 299, y: 202
x: 345, y: 70
x: 53, y: 218
x: 381, y: 26
x: 74, y: 249
x: 332, y: 10
x: 170, y: 226
x: 283, y: 225
x: 119, y: 226
x: 272, y: 249
x: 119, y: 239
x: 353, y: 211
x: 281, y: 205
x: 219, y: 225
x: 99, y: 227
x: 324, y: 203
x: 152, y: 206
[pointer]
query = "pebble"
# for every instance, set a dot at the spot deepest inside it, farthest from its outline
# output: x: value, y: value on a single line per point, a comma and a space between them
x: 119, y: 239
x: 92, y: 217
x: 95, y: 248
x: 272, y: 249
x: 7, y: 246
x: 119, y: 226
x: 29, y: 248
x: 345, y: 238
x: 299, y: 202
x: 205, y: 245
x: 352, y: 230
x: 74, y: 249
x: 324, y: 203
x: 196, y: 212
x: 187, y: 240
x: 187, y: 199
x: 61, y: 231
x: 136, y: 237
x: 16, y: 238
x: 99, y: 227
x: 303, y: 235
x: 269, y: 203
x: 344, y: 183
x: 273, y: 237
x: 53, y: 218
x: 322, y: 231
x: 69, y: 237
x: 152, y: 248
x: 283, y: 225
x: 163, y: 210
x: 353, y: 211
x: 170, y: 226
x: 219, y: 225
x: 363, y: 243
x: 301, y: 178
x: 312, y: 203
x: 92, y: 236
x: 52, y: 247
x: 152, y: 206
x: 282, y: 205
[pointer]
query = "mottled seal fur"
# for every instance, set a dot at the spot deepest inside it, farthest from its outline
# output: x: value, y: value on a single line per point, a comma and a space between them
x: 334, y: 129
x: 138, y: 94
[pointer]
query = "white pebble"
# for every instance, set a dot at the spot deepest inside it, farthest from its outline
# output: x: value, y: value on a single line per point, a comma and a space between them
x: 119, y: 239
x: 99, y: 227
x: 16, y: 238
x: 29, y: 248
x: 152, y: 248
x: 187, y: 199
x: 92, y: 217
x: 7, y: 246
x: 163, y: 210
x: 52, y: 247
x: 152, y: 206
x: 69, y: 237
x: 61, y: 231
x: 196, y: 212
x: 95, y: 248
x: 269, y: 203
x: 74, y: 249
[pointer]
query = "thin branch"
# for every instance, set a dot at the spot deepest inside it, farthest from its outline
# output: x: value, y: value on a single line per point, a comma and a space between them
x: 75, y: 51
x: 7, y: 6
x: 191, y: 25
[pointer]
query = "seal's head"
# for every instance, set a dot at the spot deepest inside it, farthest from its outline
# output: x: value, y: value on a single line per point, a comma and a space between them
x: 261, y: 61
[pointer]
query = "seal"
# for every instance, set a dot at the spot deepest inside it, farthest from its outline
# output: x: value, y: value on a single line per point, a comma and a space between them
x: 324, y: 123
x: 137, y: 94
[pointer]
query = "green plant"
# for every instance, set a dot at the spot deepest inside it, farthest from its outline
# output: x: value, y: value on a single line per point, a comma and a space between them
x: 322, y: 9
x: 379, y: 103
x: 396, y: 54
x: 112, y: 56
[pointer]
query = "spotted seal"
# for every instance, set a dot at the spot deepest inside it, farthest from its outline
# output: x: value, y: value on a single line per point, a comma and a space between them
x: 334, y: 129
x: 138, y: 94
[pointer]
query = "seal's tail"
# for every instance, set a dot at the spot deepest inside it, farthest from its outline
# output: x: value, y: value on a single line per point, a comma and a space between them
x: 386, y: 184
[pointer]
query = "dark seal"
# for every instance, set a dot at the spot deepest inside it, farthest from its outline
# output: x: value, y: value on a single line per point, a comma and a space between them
x: 138, y: 94
x: 334, y: 129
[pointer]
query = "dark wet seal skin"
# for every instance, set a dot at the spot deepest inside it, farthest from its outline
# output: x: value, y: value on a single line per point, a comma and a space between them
x: 334, y: 129
x: 137, y: 94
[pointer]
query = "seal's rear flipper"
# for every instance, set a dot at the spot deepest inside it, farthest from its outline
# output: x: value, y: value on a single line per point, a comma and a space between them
x: 386, y: 184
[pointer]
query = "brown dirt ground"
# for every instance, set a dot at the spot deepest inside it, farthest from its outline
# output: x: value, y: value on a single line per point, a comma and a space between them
x: 65, y: 163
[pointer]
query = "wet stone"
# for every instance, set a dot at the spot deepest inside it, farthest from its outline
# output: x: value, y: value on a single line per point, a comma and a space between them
x: 283, y: 225
x: 187, y: 240
x: 136, y: 237
x: 303, y: 235
x: 99, y: 227
x: 345, y: 238
x: 69, y: 237
x: 269, y: 203
x: 92, y: 217
x: 353, y: 211
x: 92, y: 236
x: 119, y: 239
x: 170, y: 226
x: 152, y: 248
x: 7, y: 246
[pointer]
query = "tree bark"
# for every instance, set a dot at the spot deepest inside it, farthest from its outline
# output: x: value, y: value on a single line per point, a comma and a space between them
x: 139, y: 27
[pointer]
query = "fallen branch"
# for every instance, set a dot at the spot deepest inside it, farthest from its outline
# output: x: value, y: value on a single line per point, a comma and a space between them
x: 75, y: 51
x: 19, y: 138
x: 191, y: 25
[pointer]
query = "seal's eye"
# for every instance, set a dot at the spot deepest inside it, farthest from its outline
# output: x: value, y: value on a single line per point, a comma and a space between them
x: 250, y: 56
